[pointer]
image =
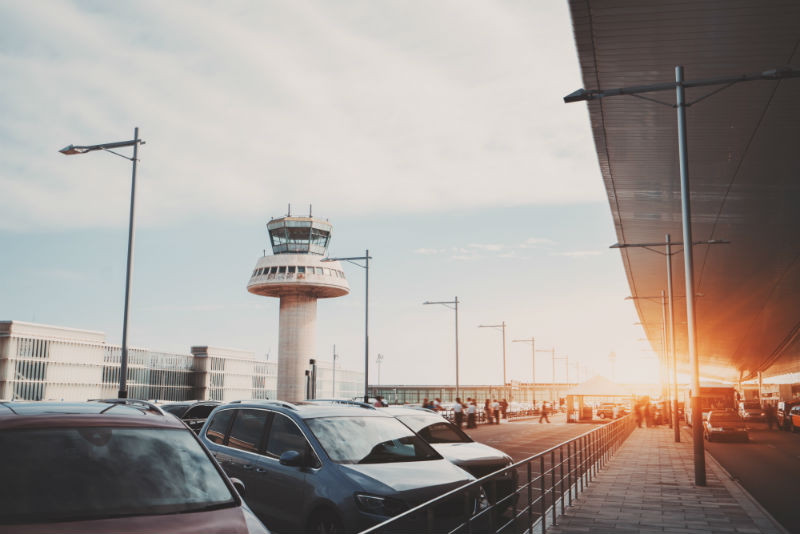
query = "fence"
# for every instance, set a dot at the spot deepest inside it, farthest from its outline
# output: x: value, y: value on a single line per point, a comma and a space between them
x: 546, y: 484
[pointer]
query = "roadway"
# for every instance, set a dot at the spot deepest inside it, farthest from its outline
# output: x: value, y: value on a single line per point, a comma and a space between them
x: 768, y: 467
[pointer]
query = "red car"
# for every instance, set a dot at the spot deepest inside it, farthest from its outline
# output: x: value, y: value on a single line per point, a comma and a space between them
x: 111, y: 466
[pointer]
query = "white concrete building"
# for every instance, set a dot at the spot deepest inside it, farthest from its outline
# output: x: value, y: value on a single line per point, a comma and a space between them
x: 295, y: 274
x: 42, y: 362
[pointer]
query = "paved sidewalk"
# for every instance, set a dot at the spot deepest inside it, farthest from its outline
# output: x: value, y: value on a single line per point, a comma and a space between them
x: 649, y: 487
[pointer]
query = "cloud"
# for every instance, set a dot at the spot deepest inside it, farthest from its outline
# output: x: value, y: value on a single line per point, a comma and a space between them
x: 370, y: 107
x: 578, y: 253
x: 489, y: 247
x: 428, y: 251
x: 532, y: 241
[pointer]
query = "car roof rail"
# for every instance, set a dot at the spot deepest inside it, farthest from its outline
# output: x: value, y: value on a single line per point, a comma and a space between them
x: 130, y: 402
x: 284, y: 404
x: 343, y: 402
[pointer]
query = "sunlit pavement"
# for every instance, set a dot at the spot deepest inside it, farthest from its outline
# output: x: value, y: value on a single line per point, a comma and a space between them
x: 522, y: 438
x: 648, y: 486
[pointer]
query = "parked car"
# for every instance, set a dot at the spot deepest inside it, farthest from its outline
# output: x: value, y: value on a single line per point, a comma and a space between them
x: 783, y: 416
x: 794, y: 418
x: 724, y: 424
x: 111, y: 466
x: 193, y: 413
x: 315, y: 467
x: 608, y: 410
x: 454, y: 445
x: 751, y: 411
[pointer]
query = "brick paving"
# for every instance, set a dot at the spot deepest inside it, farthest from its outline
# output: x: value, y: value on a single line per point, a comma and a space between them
x: 649, y: 487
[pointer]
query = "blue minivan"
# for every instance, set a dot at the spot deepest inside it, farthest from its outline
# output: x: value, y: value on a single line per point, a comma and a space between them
x: 310, y: 467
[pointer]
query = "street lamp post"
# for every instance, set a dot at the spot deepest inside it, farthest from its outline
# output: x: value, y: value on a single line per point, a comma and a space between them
x: 366, y: 257
x: 501, y: 326
x: 108, y: 147
x: 448, y: 304
x: 532, y: 341
x: 333, y: 386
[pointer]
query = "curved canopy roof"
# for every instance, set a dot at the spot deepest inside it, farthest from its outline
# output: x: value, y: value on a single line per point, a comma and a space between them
x: 744, y: 161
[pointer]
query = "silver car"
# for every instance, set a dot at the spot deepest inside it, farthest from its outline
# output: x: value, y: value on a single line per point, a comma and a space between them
x: 454, y: 445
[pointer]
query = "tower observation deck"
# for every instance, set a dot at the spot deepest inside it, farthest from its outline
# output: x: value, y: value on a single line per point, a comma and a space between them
x: 295, y: 274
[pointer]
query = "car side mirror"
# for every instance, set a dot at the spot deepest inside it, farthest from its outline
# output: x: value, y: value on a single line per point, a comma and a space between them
x: 292, y: 459
x: 239, y: 486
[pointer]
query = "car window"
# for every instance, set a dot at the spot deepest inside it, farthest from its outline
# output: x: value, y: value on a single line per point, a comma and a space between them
x: 175, y: 409
x: 434, y: 430
x: 200, y: 411
x: 219, y: 426
x: 247, y: 430
x: 353, y: 440
x: 284, y: 436
x: 70, y: 474
x: 723, y: 418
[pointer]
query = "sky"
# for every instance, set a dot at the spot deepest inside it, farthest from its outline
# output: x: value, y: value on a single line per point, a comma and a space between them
x: 433, y: 134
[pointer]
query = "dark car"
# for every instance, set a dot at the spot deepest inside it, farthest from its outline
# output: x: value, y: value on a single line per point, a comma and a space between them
x: 751, y: 411
x: 193, y: 413
x: 111, y: 466
x: 724, y: 425
x: 451, y: 442
x: 783, y: 416
x: 607, y: 411
x: 328, y: 468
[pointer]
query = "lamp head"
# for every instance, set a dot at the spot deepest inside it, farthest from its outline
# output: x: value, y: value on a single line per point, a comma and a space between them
x: 71, y: 150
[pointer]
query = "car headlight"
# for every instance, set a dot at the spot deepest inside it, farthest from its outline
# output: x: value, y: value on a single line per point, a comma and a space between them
x: 374, y: 504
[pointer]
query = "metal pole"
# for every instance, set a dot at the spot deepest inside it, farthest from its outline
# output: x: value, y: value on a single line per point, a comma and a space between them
x: 123, y: 362
x: 457, y: 384
x: 665, y: 387
x: 673, y: 352
x: 688, y: 259
x: 504, y: 354
x: 366, y: 330
x: 533, y: 369
x: 333, y: 387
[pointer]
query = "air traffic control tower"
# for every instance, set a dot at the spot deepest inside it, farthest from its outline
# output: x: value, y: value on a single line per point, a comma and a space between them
x: 295, y: 273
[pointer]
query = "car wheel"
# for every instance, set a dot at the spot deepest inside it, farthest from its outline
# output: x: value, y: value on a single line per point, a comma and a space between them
x: 325, y: 522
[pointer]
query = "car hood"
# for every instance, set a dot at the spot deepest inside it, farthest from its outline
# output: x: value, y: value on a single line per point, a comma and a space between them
x: 425, y: 479
x: 472, y: 454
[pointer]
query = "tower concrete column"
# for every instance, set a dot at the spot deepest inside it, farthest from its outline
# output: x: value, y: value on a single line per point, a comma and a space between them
x: 297, y: 341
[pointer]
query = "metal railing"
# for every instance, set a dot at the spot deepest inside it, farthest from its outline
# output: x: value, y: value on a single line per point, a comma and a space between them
x: 543, y: 486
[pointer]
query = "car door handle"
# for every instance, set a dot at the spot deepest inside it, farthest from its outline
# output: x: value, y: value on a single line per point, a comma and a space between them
x: 248, y: 467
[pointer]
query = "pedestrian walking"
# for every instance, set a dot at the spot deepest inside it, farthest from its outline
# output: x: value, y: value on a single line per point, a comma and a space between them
x: 471, y: 409
x: 637, y: 410
x: 458, y: 411
x: 544, y: 413
x: 487, y: 411
x: 504, y: 408
x: 769, y: 413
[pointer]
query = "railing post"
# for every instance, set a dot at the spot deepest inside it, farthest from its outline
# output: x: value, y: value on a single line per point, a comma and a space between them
x: 580, y: 463
x: 553, y: 482
x: 542, y: 505
x: 530, y: 496
x: 561, y: 469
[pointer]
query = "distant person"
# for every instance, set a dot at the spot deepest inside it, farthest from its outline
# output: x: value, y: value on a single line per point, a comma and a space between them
x: 437, y: 404
x: 637, y: 411
x: 426, y: 404
x: 471, y: 409
x: 769, y: 413
x: 496, y: 411
x: 648, y: 415
x: 544, y: 413
x: 458, y: 411
x: 380, y: 403
x: 487, y: 411
x: 504, y: 408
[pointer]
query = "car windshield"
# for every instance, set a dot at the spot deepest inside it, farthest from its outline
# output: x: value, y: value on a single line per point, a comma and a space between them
x: 369, y: 440
x: 433, y: 429
x: 752, y: 406
x: 71, y: 474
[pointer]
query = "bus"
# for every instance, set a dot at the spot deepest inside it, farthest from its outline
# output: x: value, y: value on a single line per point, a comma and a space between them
x: 712, y: 397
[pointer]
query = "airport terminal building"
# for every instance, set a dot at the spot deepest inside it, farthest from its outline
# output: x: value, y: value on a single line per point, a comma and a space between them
x: 42, y: 362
